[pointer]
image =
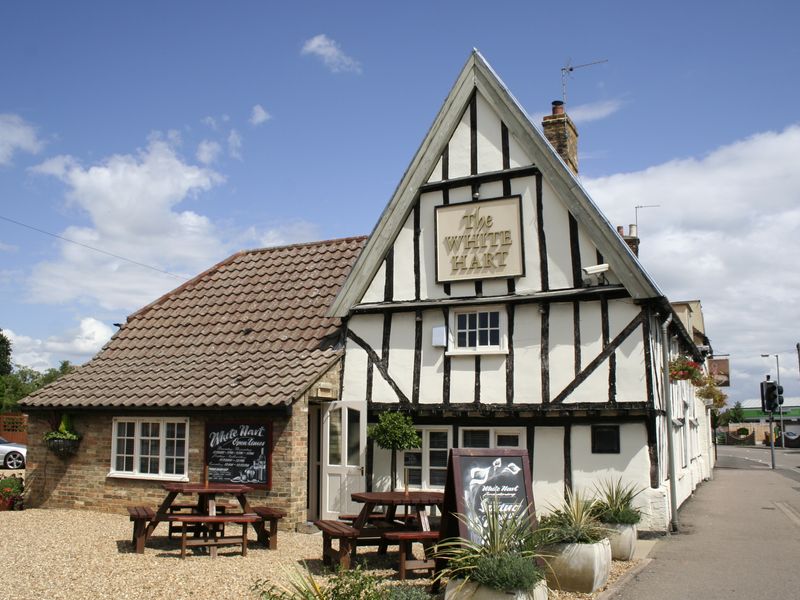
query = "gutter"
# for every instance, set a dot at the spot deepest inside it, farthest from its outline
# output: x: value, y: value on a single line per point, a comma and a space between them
x: 673, y: 492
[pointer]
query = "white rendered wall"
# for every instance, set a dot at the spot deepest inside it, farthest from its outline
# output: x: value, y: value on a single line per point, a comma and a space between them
x: 548, y: 468
x: 527, y: 354
x: 631, y: 465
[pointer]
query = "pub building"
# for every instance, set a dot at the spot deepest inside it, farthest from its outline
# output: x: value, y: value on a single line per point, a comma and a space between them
x: 493, y: 303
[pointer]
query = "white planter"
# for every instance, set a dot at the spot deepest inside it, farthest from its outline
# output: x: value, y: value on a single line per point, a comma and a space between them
x: 623, y: 540
x: 578, y: 567
x: 457, y: 589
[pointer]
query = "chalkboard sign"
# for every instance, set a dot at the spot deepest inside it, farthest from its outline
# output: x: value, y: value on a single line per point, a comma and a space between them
x: 239, y: 452
x: 476, y: 478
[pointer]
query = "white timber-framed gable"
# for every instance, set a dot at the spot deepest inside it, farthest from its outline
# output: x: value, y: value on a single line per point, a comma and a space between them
x: 493, y: 293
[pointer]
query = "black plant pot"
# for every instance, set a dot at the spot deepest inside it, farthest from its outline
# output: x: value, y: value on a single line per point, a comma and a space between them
x: 61, y: 447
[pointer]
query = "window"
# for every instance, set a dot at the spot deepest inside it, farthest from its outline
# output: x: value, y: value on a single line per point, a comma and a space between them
x: 150, y: 448
x: 492, y: 437
x: 605, y: 439
x: 426, y: 467
x: 477, y: 331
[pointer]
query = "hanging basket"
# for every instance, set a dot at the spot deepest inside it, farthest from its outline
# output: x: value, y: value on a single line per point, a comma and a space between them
x: 61, y: 447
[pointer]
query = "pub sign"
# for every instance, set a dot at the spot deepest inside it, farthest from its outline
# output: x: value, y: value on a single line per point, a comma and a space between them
x: 479, y: 240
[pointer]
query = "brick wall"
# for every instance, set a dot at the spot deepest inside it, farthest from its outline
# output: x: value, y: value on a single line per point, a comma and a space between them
x: 82, y: 481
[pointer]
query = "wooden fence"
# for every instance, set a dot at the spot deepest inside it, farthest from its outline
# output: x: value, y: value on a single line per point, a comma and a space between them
x: 14, y: 427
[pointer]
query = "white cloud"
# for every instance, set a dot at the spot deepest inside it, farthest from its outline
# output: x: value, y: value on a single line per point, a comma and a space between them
x: 584, y: 113
x: 259, y: 115
x: 76, y: 345
x: 210, y: 122
x: 8, y: 247
x: 131, y: 201
x: 331, y: 54
x: 208, y: 151
x: 235, y: 144
x: 594, y: 111
x: 293, y: 232
x: 726, y: 233
x: 16, y: 135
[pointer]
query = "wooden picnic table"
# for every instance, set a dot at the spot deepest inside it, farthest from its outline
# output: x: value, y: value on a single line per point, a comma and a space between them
x: 207, y: 502
x: 419, y: 501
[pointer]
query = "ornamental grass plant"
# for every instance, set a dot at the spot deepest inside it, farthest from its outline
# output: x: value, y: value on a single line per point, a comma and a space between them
x: 574, y: 521
x: 503, y: 557
x: 614, y: 502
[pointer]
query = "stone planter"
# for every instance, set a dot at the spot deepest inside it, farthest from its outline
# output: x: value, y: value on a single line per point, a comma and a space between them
x: 457, y: 589
x: 622, y: 539
x: 578, y: 567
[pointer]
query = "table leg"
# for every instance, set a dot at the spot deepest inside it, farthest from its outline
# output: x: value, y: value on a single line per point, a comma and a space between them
x: 361, y: 521
x: 270, y: 539
x: 422, y: 517
x: 212, y: 512
x: 161, y: 514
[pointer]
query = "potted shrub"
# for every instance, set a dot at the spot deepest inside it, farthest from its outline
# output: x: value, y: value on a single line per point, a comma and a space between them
x: 11, y: 493
x: 576, y: 546
x: 614, y: 507
x: 394, y: 431
x: 63, y: 441
x: 500, y: 565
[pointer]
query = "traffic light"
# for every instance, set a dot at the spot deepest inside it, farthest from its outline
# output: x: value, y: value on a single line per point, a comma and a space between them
x: 769, y: 396
x: 779, y: 396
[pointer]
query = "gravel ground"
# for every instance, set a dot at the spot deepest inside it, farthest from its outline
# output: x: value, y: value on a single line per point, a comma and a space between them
x: 75, y: 554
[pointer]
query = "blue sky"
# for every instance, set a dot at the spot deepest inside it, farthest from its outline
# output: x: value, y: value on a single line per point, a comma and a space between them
x: 177, y: 133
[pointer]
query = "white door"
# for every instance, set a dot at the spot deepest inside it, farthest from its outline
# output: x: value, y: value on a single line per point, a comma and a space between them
x: 343, y: 456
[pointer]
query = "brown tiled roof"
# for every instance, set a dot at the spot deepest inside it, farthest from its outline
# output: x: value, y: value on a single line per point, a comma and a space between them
x: 248, y: 332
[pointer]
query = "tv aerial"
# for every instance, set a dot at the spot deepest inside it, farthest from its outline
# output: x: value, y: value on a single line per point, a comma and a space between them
x: 569, y: 68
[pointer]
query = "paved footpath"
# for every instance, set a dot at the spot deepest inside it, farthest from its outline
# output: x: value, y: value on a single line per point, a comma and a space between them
x: 739, y: 538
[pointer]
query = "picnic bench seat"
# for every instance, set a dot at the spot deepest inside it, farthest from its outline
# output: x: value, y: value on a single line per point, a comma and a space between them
x: 407, y: 518
x: 141, y: 516
x: 347, y: 537
x: 192, y: 508
x: 405, y: 539
x: 271, y: 516
x: 212, y: 523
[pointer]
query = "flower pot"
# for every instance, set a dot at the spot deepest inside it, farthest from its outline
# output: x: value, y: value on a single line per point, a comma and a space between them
x: 5, y: 504
x: 457, y: 589
x: 623, y: 540
x: 61, y: 447
x: 578, y: 567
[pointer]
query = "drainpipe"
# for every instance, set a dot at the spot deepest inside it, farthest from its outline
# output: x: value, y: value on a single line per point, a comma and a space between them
x: 673, y: 492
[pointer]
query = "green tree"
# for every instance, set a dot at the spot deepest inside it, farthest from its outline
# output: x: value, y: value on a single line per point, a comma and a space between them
x: 5, y: 355
x: 394, y: 431
x: 24, y: 380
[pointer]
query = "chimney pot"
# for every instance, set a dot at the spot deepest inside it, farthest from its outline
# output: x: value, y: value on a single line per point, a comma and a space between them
x: 558, y: 107
x: 633, y: 231
x: 621, y: 229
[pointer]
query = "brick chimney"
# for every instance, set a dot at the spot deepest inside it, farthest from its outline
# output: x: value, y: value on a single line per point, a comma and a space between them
x: 561, y: 133
x: 632, y: 239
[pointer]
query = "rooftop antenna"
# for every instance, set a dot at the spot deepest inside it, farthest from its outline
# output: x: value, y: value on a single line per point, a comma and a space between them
x: 636, y: 212
x: 569, y: 68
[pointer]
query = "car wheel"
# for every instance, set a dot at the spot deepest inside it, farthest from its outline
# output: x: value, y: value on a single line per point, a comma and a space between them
x: 14, y: 460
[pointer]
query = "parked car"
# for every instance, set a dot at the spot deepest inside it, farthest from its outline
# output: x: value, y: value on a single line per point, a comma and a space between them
x: 12, y: 456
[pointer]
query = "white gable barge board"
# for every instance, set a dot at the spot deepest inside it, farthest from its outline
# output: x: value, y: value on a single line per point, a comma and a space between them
x: 478, y: 74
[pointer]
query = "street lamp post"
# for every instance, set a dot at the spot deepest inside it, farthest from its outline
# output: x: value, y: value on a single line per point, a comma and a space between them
x: 780, y: 406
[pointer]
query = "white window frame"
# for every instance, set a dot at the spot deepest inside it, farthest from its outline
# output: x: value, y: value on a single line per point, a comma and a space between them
x: 425, y: 449
x: 501, y: 348
x: 493, y: 433
x: 135, y: 474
